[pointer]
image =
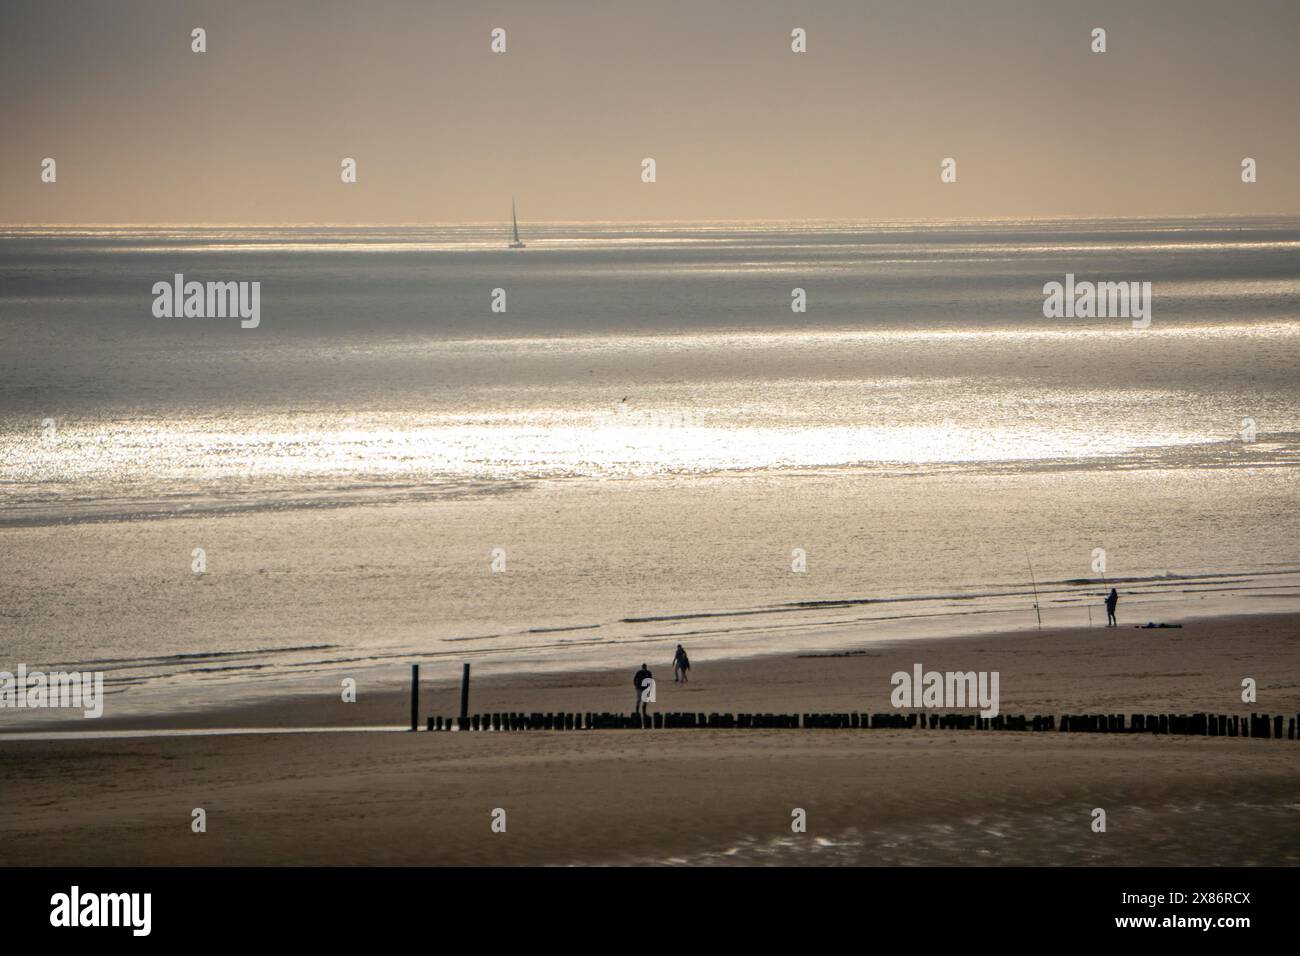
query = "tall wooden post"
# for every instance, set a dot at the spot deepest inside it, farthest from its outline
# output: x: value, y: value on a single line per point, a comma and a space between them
x: 415, y: 696
x: 464, y: 692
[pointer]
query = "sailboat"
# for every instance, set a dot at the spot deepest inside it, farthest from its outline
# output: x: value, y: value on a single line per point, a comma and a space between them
x: 515, y: 222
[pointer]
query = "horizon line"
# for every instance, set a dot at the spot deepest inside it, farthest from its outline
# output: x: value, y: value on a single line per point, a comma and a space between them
x: 158, y: 224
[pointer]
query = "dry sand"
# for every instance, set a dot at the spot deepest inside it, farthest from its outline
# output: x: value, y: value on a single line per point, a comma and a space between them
x: 709, y: 796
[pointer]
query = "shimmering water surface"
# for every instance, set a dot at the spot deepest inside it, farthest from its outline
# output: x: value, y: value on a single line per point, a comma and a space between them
x: 648, y: 431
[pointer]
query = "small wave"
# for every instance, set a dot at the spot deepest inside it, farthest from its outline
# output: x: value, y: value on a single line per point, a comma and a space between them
x: 182, y: 658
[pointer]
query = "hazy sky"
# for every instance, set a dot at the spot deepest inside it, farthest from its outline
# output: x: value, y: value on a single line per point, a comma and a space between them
x: 144, y: 130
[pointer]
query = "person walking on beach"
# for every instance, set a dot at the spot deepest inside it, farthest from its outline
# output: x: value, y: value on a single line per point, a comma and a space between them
x: 681, y: 664
x: 1111, y: 600
x: 639, y: 682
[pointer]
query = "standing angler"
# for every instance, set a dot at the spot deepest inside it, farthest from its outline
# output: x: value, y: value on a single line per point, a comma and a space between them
x: 639, y: 682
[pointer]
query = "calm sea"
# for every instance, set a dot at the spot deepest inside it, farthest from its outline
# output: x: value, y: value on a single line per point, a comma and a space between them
x: 635, y: 425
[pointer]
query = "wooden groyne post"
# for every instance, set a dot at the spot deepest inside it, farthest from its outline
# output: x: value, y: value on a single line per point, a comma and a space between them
x: 415, y: 696
x: 464, y: 692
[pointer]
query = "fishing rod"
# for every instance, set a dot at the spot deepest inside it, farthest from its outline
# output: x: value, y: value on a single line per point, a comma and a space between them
x: 1104, y: 583
x: 1037, y: 612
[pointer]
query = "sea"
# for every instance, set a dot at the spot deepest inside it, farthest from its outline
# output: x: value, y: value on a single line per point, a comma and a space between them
x: 747, y: 437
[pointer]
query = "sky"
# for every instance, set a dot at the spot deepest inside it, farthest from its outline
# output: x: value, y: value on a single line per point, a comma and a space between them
x: 143, y: 130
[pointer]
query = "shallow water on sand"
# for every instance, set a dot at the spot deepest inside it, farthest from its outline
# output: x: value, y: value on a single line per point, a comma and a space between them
x: 1174, y: 833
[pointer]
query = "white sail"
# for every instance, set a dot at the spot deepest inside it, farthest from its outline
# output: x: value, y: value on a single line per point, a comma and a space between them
x: 514, y: 222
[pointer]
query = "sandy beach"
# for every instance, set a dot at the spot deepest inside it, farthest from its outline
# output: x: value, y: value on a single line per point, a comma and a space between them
x: 712, y: 797
x: 713, y: 452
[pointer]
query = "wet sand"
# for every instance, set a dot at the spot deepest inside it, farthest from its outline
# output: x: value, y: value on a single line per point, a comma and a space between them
x: 707, y: 796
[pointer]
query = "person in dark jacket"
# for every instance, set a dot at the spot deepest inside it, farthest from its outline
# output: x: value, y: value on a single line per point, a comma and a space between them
x: 1112, y: 599
x: 681, y: 664
x: 639, y: 682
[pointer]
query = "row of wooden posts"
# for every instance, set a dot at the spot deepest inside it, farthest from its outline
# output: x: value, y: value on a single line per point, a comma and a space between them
x: 1201, y: 725
x: 1204, y: 725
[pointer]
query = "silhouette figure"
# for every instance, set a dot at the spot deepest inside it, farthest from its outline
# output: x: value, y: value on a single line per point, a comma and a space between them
x: 639, y: 683
x: 1111, y: 600
x: 681, y: 664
